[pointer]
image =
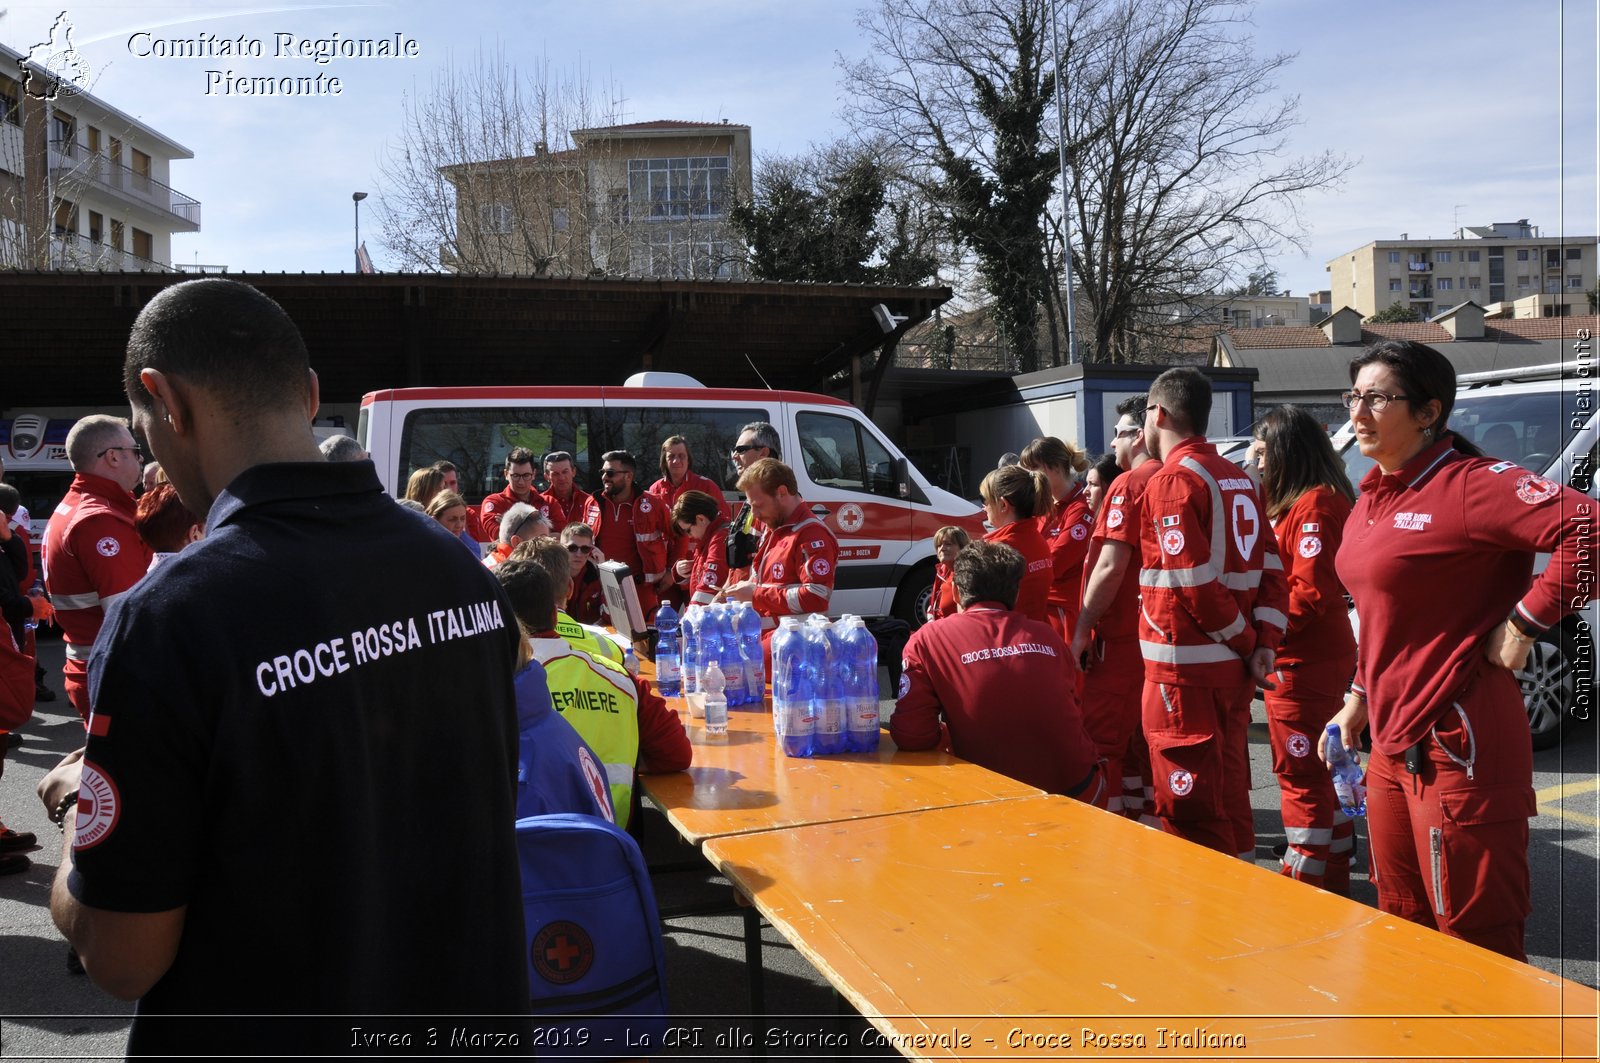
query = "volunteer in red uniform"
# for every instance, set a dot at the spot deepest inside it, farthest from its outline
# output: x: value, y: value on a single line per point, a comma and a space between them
x: 561, y: 479
x: 630, y: 526
x: 585, y: 601
x: 519, y: 488
x: 757, y: 440
x: 92, y: 554
x: 1308, y: 497
x: 703, y: 525
x: 1065, y: 526
x: 794, y: 565
x: 948, y: 541
x: 1000, y: 682
x: 1012, y: 500
x: 1106, y: 638
x: 678, y: 476
x: 1213, y: 600
x: 1438, y: 556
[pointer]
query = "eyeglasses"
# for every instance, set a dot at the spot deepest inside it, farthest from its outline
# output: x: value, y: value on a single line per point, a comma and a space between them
x: 520, y: 477
x: 574, y: 548
x: 1375, y: 400
x: 134, y: 450
x: 606, y: 474
x: 1124, y: 431
x: 742, y: 447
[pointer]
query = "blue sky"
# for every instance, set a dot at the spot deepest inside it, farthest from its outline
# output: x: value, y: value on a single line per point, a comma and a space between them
x: 1452, y: 109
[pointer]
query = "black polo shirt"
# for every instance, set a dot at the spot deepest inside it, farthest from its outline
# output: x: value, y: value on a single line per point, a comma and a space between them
x: 304, y: 731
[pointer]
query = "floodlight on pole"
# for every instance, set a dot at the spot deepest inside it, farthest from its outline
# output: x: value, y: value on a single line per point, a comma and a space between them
x: 356, y: 198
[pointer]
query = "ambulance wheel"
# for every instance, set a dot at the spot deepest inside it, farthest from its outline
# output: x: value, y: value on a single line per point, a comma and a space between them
x: 915, y: 593
x: 1549, y: 684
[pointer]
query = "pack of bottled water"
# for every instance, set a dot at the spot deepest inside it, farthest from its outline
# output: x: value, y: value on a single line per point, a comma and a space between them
x: 824, y: 686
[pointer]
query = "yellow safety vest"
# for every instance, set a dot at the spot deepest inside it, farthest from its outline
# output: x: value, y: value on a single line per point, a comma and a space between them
x: 599, y: 700
x: 585, y: 638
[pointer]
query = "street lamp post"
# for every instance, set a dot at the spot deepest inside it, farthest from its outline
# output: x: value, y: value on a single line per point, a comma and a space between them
x: 356, y: 198
x: 1066, y: 216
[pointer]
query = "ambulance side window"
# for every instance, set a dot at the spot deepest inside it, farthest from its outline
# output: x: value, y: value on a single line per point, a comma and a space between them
x: 477, y: 439
x: 837, y: 452
x: 711, y: 432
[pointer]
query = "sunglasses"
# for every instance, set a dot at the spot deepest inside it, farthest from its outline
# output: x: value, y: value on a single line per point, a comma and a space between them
x: 742, y: 447
x: 606, y: 474
x: 574, y: 548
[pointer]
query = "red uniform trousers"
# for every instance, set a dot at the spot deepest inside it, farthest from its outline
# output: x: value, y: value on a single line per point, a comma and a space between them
x: 1321, y: 839
x: 1111, y: 692
x: 1200, y: 762
x: 1450, y: 844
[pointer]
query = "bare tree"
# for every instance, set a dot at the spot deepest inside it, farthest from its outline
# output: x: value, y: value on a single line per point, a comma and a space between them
x: 485, y: 175
x: 1180, y: 186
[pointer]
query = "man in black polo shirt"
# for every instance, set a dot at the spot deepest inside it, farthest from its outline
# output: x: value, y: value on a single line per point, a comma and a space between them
x: 297, y: 794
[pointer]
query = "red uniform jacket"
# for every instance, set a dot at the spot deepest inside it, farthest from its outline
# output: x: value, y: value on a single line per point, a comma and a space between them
x: 943, y: 601
x: 1309, y: 534
x: 1437, y: 556
x: 692, y: 481
x: 1120, y: 520
x: 794, y: 568
x: 634, y: 533
x: 586, y: 599
x: 1023, y: 537
x: 1066, y: 526
x: 92, y: 555
x: 710, y: 557
x: 1004, y: 686
x: 1210, y: 578
x: 494, y: 507
x: 575, y: 507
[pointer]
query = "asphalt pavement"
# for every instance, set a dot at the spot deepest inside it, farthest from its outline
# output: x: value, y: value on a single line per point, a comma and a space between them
x: 48, y: 1013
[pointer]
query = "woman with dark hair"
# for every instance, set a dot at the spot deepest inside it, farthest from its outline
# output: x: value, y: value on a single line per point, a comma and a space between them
x: 1065, y: 525
x: 1098, y: 480
x: 1012, y: 499
x: 678, y: 476
x: 1438, y: 555
x: 1308, y: 498
x: 700, y: 522
x: 948, y: 542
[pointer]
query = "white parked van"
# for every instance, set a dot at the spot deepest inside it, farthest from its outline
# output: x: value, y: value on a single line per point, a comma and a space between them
x: 883, y: 511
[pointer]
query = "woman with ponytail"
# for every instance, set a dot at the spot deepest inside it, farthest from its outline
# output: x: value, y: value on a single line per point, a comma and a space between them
x: 1013, y: 498
x: 1065, y: 525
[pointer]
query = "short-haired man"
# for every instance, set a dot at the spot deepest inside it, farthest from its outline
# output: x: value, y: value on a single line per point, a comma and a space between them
x: 343, y: 448
x: 586, y: 600
x: 756, y: 440
x: 252, y: 824
x: 793, y: 571
x: 1000, y: 681
x: 517, y: 525
x: 1108, y: 624
x: 1213, y: 597
x: 556, y: 769
x: 91, y: 553
x: 561, y: 479
x: 626, y: 722
x: 519, y: 488
x: 630, y: 526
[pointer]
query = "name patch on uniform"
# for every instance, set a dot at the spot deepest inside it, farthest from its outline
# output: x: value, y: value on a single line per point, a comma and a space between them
x: 1535, y: 489
x: 1114, y: 519
x: 1236, y: 484
x: 108, y: 547
x: 1170, y: 522
x: 1413, y: 521
x: 1310, y: 546
x: 1172, y: 541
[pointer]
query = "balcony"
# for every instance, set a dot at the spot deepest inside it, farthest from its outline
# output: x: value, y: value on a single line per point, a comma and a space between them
x: 71, y: 251
x: 70, y: 162
x: 1422, y: 291
x: 1416, y: 266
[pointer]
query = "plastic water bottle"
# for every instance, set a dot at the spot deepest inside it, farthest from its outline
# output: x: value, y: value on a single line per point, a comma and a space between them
x: 730, y: 659
x: 828, y: 656
x: 630, y: 661
x: 708, y: 636
x: 716, y: 701
x: 669, y: 664
x: 1348, y: 778
x: 792, y: 690
x: 861, y: 687
x: 747, y: 622
x: 689, y: 649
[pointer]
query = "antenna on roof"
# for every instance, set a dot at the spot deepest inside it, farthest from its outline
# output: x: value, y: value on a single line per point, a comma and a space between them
x: 757, y: 371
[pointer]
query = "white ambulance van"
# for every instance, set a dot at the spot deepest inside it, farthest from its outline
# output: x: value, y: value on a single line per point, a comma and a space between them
x: 34, y: 448
x: 883, y: 511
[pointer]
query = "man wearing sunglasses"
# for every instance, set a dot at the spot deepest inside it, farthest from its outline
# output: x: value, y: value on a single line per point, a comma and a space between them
x: 91, y: 553
x: 630, y: 526
x: 586, y: 600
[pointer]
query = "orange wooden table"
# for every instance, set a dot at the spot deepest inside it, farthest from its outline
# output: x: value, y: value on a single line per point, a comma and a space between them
x: 1043, y: 928
x: 744, y: 783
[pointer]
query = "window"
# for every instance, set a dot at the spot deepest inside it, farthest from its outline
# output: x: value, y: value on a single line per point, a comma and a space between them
x: 10, y: 101
x: 1394, y: 284
x: 710, y: 432
x: 143, y: 244
x: 838, y: 453
x: 96, y: 226
x: 495, y: 218
x: 1394, y: 256
x: 1443, y: 256
x: 1522, y: 280
x: 477, y: 441
x: 140, y: 168
x: 1574, y: 282
x: 1444, y: 284
x: 116, y: 234
x: 682, y: 256
x: 66, y: 218
x: 1241, y: 318
x: 1574, y: 253
x: 1552, y: 257
x: 1472, y: 256
x: 63, y: 134
x: 560, y: 219
x: 694, y: 187
x: 1474, y: 283
x: 1522, y: 255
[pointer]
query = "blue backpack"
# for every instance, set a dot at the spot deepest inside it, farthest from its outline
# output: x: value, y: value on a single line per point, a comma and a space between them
x: 596, y: 966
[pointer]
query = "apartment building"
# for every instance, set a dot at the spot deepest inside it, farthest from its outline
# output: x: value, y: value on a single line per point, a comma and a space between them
x: 646, y: 199
x: 83, y: 185
x: 1494, y: 266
